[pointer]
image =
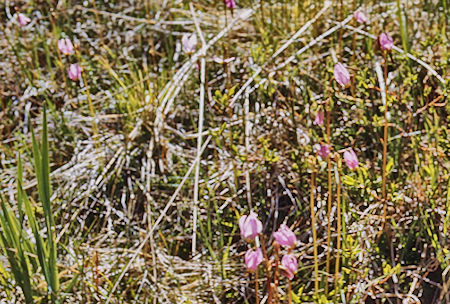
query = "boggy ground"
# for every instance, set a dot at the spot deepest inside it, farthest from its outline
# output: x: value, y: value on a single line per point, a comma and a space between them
x: 136, y: 222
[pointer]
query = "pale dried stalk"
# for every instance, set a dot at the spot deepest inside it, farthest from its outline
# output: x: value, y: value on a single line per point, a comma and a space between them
x: 200, y: 129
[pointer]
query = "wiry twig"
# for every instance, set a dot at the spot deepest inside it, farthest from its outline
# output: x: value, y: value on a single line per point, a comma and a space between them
x: 200, y: 128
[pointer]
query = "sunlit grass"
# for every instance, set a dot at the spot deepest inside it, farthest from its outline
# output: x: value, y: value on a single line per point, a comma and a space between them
x: 129, y: 218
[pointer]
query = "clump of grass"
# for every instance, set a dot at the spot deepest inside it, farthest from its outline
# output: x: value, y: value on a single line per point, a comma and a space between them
x: 24, y: 253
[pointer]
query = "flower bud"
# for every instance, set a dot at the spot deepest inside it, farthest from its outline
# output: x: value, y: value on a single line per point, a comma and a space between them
x: 350, y: 159
x: 23, y: 20
x: 65, y: 46
x: 289, y: 262
x: 250, y: 226
x: 324, y: 151
x: 319, y: 118
x: 253, y: 258
x: 189, y: 43
x: 386, y: 42
x: 360, y: 17
x: 74, y: 71
x: 341, y: 74
x: 285, y: 237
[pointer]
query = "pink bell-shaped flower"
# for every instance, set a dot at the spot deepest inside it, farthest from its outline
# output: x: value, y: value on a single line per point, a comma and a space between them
x: 341, y: 74
x: 290, y: 264
x: 22, y: 19
x: 230, y: 4
x: 253, y: 258
x: 65, y: 46
x: 74, y: 71
x: 360, y: 17
x: 319, y: 118
x: 250, y: 226
x: 324, y: 151
x: 386, y: 42
x: 285, y: 237
x: 189, y: 43
x: 350, y: 159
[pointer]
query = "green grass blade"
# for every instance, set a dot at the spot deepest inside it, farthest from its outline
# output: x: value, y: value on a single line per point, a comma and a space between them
x: 42, y: 167
x: 12, y: 247
x: 41, y: 251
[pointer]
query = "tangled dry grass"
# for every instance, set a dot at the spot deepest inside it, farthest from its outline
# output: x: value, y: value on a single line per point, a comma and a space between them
x: 137, y: 223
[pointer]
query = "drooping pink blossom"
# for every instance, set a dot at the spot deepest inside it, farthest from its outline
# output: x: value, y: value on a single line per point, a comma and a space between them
x: 253, y: 258
x: 386, y: 42
x: 230, y: 4
x: 350, y: 159
x: 319, y: 118
x: 250, y: 226
x: 341, y: 74
x: 189, y: 43
x: 324, y: 151
x: 285, y: 237
x: 360, y: 16
x: 65, y: 46
x: 290, y: 264
x: 74, y: 71
x: 22, y: 19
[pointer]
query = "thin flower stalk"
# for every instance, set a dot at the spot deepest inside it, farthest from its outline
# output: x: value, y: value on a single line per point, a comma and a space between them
x: 267, y: 269
x: 385, y: 137
x: 256, y: 287
x: 330, y: 194
x: 276, y: 268
x: 314, y: 233
x: 341, y: 30
x: 289, y: 292
x: 338, y: 228
x: 289, y: 285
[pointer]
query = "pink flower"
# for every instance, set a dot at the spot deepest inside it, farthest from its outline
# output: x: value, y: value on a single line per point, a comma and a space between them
x: 189, y: 43
x: 319, y: 118
x: 223, y: 61
x: 360, y: 17
x: 230, y: 4
x: 285, y: 237
x: 386, y: 42
x: 290, y: 265
x: 22, y: 19
x: 341, y: 74
x: 65, y: 46
x: 74, y: 71
x: 324, y: 151
x: 253, y: 259
x: 250, y: 226
x: 350, y: 159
